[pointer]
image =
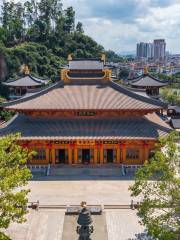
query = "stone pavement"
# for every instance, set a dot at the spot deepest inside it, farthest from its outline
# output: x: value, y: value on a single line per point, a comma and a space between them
x: 48, y: 225
x: 40, y: 225
x: 72, y: 185
x: 122, y: 224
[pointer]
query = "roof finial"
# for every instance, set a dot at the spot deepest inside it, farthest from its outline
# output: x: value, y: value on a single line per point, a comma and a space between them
x: 69, y: 57
x: 25, y: 69
x: 103, y: 57
x: 146, y: 69
x: 83, y: 204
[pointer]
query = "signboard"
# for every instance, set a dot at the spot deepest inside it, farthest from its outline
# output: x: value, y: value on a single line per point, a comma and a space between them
x: 108, y: 142
x: 86, y: 113
x: 64, y: 142
x: 86, y: 142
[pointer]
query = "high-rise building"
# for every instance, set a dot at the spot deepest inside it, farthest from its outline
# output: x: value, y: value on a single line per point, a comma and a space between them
x: 150, y: 50
x: 145, y: 50
x: 159, y: 49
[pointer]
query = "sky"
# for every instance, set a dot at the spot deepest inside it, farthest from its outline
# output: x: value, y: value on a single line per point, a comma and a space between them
x: 119, y: 24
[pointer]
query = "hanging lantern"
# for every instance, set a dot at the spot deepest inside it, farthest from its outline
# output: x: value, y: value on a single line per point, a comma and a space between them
x: 72, y: 145
x: 25, y: 145
x: 99, y: 145
x: 49, y: 145
x: 145, y: 144
x: 122, y: 145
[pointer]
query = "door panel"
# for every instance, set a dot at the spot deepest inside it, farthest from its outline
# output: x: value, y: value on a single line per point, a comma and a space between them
x: 61, y: 156
x: 110, y: 155
x: 86, y: 156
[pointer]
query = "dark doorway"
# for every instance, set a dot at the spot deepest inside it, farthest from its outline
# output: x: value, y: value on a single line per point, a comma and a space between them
x: 86, y: 156
x: 109, y: 155
x: 60, y: 156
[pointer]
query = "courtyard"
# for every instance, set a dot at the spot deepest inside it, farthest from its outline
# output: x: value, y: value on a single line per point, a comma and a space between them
x: 48, y: 225
x: 69, y: 186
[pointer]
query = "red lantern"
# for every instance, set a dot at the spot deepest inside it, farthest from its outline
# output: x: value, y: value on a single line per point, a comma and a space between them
x: 25, y: 145
x: 49, y: 145
x: 72, y: 145
x: 99, y: 145
x: 122, y: 145
x: 145, y: 144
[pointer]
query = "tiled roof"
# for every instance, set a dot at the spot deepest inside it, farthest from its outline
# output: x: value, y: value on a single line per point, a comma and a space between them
x: 147, y: 80
x: 26, y: 81
x: 175, y: 123
x: 148, y: 127
x: 85, y: 95
x: 86, y: 64
x: 175, y: 108
x: 85, y: 75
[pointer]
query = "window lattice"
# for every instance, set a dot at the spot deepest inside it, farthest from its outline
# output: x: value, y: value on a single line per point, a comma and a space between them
x: 132, y: 154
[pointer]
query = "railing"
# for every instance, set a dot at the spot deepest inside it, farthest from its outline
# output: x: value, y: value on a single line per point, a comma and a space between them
x: 73, y: 209
x: 40, y: 168
x: 48, y: 170
x: 125, y: 168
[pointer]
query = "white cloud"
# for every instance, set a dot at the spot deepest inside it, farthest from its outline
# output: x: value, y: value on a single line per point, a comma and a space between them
x: 119, y: 24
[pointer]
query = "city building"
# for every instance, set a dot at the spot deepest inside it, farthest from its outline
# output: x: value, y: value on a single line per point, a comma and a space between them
x: 159, y: 49
x: 87, y: 119
x: 145, y: 50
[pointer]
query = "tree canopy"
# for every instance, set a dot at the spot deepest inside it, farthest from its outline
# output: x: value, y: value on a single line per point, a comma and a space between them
x: 14, y: 174
x: 41, y: 34
x: 123, y: 73
x: 158, y: 183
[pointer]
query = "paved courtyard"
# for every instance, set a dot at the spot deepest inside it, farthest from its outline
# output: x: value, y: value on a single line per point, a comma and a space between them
x: 48, y: 225
x: 70, y: 187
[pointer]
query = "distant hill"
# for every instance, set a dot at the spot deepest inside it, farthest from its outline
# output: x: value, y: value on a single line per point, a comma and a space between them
x: 128, y: 53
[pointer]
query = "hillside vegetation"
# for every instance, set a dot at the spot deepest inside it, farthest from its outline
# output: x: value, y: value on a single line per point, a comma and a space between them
x: 41, y: 34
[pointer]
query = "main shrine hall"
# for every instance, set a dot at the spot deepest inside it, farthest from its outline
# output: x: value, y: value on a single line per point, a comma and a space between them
x: 86, y: 118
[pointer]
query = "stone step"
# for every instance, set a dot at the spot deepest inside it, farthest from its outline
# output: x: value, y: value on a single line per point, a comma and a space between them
x: 89, y: 172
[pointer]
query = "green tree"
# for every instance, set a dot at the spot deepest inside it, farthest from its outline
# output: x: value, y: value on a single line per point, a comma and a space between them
x: 14, y: 174
x: 79, y: 27
x: 69, y: 20
x: 30, y: 12
x: 113, y: 57
x: 124, y: 73
x: 42, y: 34
x: 13, y: 22
x: 158, y: 183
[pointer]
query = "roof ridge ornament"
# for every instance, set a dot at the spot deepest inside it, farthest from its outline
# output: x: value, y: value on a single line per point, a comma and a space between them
x: 146, y: 70
x: 103, y: 57
x: 25, y: 69
x: 69, y: 57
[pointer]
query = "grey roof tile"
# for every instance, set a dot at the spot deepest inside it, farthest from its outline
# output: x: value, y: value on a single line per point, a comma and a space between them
x: 84, y: 64
x: 86, y: 95
x: 26, y: 81
x: 147, y: 80
x: 175, y: 123
x: 148, y: 127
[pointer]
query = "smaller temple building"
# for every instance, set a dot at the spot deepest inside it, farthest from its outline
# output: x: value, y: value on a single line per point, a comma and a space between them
x: 149, y: 83
x: 24, y: 84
